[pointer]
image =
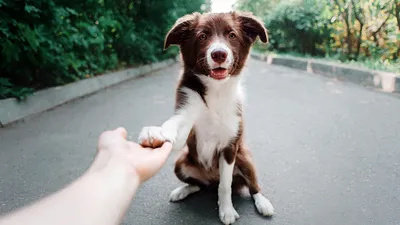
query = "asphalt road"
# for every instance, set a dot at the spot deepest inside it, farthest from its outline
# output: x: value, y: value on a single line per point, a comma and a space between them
x: 327, y: 152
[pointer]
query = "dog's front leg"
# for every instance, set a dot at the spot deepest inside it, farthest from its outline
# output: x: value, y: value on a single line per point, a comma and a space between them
x: 177, y: 128
x: 227, y: 212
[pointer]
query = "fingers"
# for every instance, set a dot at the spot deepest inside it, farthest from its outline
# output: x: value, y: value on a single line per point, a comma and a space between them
x: 164, y: 150
x: 167, y: 146
x: 121, y: 131
x: 164, y: 147
x: 134, y: 145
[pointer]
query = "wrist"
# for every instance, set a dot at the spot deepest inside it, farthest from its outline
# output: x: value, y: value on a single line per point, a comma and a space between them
x: 115, y: 166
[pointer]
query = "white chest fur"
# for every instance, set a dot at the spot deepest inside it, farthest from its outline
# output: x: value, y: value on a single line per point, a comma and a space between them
x: 218, y: 123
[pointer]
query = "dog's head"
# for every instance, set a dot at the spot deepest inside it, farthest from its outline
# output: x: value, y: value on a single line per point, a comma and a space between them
x: 216, y: 44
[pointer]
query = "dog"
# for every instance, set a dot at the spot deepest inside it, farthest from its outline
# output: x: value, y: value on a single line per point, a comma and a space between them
x: 207, y: 125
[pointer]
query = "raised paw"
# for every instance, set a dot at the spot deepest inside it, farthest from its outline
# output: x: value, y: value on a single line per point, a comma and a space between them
x: 228, y: 214
x: 182, y: 192
x: 263, y: 205
x: 151, y: 137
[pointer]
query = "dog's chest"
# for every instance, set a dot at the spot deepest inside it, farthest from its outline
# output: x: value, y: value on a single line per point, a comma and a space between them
x: 216, y: 126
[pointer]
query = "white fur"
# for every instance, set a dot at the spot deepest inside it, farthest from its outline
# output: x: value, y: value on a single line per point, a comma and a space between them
x: 263, y: 205
x: 182, y: 192
x: 182, y: 122
x: 244, y: 192
x: 219, y: 45
x: 151, y: 133
x: 227, y: 212
x: 177, y: 128
x: 218, y: 123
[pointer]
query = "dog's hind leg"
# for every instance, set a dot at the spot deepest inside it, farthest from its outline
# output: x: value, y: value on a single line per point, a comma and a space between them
x: 188, y: 174
x: 182, y: 192
x: 247, y: 170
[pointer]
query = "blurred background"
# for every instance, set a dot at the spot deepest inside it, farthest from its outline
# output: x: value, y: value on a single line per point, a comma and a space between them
x: 46, y: 43
x: 360, y: 32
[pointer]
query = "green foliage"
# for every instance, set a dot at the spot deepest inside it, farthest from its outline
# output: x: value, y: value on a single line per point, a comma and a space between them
x: 52, y: 42
x: 300, y: 26
x: 7, y: 89
x: 260, y: 8
x: 366, y: 31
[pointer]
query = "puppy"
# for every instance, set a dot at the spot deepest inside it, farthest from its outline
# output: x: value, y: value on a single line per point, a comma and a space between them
x: 208, y: 118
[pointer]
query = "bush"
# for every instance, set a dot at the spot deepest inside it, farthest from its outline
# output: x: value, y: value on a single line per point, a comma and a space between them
x: 351, y: 31
x: 299, y: 26
x: 53, y: 42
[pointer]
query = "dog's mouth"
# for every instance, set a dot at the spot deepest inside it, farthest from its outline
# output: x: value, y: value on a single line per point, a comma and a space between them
x: 219, y: 73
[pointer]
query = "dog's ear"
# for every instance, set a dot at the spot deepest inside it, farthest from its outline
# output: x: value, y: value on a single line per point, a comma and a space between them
x: 180, y: 30
x: 253, y: 27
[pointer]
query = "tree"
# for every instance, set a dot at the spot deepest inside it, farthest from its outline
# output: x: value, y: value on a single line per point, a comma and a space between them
x: 397, y: 12
x: 374, y: 21
x: 397, y: 15
x: 363, y: 30
x: 359, y: 14
x: 345, y: 13
x: 260, y: 8
x: 44, y: 43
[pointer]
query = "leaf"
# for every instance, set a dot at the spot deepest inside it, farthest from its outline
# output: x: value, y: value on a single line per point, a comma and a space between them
x: 30, y: 37
x: 10, y: 51
x: 5, y: 82
x: 31, y: 9
x: 71, y: 11
x: 2, y: 3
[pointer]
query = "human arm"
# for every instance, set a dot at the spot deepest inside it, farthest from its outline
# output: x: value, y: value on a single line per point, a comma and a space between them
x: 104, y: 192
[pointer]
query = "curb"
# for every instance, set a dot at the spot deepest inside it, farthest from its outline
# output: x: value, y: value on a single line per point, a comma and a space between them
x: 384, y: 81
x: 12, y: 110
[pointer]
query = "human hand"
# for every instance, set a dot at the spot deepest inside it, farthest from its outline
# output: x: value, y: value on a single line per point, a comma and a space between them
x: 144, y: 162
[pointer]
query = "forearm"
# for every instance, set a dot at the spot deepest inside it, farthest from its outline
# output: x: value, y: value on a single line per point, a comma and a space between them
x: 180, y: 125
x: 177, y: 129
x: 100, y: 196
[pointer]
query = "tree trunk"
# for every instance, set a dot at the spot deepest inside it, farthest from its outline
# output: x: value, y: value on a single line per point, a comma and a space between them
x: 397, y: 12
x: 397, y: 15
x: 358, y: 13
x: 359, y: 40
x: 349, y: 42
x: 375, y: 39
x: 345, y: 14
x: 397, y: 54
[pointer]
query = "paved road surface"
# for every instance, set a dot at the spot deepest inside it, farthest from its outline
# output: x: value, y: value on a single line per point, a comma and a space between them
x: 326, y: 152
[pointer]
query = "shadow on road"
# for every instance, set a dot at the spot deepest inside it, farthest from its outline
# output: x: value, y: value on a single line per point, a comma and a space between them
x: 202, y: 207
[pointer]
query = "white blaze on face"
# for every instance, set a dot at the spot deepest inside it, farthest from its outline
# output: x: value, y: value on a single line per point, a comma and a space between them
x: 215, y: 46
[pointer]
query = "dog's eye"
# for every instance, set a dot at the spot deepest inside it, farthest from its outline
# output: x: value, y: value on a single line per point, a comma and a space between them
x: 232, y: 35
x: 202, y: 37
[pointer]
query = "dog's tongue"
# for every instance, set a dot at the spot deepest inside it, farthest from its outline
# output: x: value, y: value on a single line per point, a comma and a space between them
x: 219, y: 73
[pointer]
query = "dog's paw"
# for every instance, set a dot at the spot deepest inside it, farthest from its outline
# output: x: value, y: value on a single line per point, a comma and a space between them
x: 151, y: 137
x: 169, y: 133
x: 155, y: 137
x: 182, y: 192
x: 263, y: 205
x: 228, y: 214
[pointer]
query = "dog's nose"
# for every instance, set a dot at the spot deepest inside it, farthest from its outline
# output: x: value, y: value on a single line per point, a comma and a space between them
x: 219, y: 55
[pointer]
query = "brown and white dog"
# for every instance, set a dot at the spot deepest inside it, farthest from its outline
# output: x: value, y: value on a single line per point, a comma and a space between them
x: 208, y: 112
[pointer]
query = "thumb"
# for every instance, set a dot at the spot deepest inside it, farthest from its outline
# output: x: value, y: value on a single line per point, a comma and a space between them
x: 164, y: 150
x: 121, y: 131
x: 166, y: 147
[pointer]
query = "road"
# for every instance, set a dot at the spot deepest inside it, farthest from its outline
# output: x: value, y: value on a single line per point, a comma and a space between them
x: 326, y: 152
